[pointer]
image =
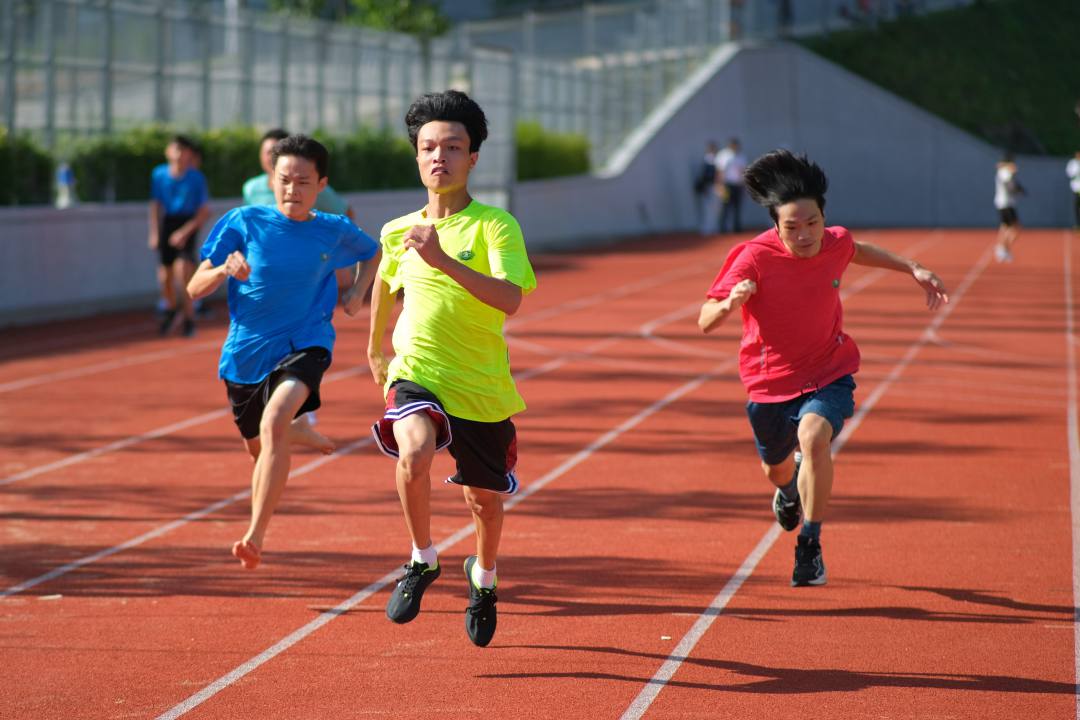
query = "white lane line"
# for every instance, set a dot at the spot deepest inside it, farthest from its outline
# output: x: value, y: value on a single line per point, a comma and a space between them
x: 697, y: 631
x: 179, y: 522
x: 461, y: 534
x: 545, y: 368
x: 150, y: 435
x: 554, y: 311
x: 1073, y: 429
x: 106, y: 366
x: 296, y: 636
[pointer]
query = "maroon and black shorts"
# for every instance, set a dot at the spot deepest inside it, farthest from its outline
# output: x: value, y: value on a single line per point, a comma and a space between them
x: 485, y: 452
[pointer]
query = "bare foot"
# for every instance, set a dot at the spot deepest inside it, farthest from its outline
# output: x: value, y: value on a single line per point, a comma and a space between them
x: 247, y: 553
x: 302, y: 433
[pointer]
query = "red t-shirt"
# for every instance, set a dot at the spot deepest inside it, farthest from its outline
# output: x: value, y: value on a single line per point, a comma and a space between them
x: 793, y: 339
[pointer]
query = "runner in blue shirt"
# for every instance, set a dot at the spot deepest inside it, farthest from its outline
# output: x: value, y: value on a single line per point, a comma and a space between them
x: 280, y: 263
x: 178, y: 208
x: 259, y: 191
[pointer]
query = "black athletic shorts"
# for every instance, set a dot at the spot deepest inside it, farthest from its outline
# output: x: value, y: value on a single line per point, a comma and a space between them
x: 1008, y: 216
x: 248, y: 401
x: 166, y: 252
x: 485, y: 452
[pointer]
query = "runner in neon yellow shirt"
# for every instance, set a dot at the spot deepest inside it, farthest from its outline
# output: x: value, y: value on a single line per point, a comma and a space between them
x: 463, y: 268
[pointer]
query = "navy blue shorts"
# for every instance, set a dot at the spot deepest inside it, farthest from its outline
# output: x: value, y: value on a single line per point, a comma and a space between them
x: 776, y: 425
x: 485, y: 452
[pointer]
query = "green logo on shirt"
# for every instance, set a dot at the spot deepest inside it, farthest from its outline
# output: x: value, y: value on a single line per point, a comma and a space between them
x: 325, y: 257
x: 465, y: 255
x: 836, y: 283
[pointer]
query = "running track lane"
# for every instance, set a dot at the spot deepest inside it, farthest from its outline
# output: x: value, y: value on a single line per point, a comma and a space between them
x: 561, y: 601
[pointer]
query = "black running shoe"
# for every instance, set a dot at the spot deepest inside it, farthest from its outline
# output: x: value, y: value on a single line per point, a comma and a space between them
x: 788, y: 512
x: 480, y: 616
x: 166, y: 322
x: 189, y: 327
x: 809, y: 567
x: 404, y: 604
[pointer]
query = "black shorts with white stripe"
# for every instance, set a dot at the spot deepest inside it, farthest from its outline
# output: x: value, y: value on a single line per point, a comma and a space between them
x: 485, y: 452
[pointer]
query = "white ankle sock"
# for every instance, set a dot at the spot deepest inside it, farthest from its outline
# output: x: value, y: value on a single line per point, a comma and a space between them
x: 481, y: 577
x: 427, y: 555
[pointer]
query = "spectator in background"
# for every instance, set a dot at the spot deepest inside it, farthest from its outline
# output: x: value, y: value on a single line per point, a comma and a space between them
x: 730, y: 165
x: 1072, y: 169
x: 178, y: 209
x: 704, y: 188
x: 259, y: 191
x: 784, y: 16
x: 1007, y: 189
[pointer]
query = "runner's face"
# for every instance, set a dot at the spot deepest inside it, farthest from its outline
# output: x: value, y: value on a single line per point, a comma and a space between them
x: 266, y: 156
x: 296, y: 186
x: 442, y: 154
x: 801, y: 226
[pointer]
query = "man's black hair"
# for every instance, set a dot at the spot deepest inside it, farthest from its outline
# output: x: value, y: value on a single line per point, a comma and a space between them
x: 305, y: 147
x: 780, y: 177
x: 274, y: 134
x: 185, y: 142
x: 449, y: 106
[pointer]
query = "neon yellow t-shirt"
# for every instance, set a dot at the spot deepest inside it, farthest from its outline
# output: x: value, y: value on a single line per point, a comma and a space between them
x: 445, y: 339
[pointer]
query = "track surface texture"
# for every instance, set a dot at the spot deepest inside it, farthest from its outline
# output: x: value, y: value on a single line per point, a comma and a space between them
x: 641, y: 572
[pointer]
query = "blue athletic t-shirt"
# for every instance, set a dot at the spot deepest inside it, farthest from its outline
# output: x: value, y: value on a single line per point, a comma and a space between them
x: 288, y: 300
x: 179, y: 196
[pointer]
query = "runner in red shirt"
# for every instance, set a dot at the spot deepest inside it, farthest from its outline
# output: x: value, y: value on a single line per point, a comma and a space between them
x: 795, y: 359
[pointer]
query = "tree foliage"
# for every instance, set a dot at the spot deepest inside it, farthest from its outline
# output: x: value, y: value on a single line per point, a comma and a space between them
x: 415, y: 17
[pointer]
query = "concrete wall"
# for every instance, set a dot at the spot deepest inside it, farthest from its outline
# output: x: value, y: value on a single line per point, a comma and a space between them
x: 890, y: 165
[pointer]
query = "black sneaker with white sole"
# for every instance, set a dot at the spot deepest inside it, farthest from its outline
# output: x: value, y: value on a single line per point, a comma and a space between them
x: 404, y: 603
x: 809, y: 565
x: 480, y: 616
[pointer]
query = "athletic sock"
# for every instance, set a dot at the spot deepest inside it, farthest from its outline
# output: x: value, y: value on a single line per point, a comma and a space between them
x: 428, y: 556
x: 811, y: 529
x: 482, y: 578
x: 791, y: 490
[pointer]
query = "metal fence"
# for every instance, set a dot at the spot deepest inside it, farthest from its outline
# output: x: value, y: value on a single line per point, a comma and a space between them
x: 79, y: 67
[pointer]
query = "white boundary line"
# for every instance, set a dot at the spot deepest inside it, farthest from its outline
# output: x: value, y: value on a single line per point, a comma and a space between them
x: 150, y: 435
x: 553, y: 311
x: 296, y: 636
x: 106, y: 366
x: 697, y: 631
x: 170, y: 526
x: 162, y: 530
x: 1073, y: 429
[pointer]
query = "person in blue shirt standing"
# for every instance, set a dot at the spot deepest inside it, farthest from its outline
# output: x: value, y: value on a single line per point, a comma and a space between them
x: 280, y: 265
x: 178, y: 208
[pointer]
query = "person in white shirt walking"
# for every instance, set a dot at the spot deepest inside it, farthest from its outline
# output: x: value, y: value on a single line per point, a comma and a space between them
x: 730, y: 165
x: 1072, y: 169
x: 1007, y: 190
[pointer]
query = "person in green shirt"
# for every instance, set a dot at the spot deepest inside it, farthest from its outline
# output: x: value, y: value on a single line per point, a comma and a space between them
x: 259, y: 191
x: 463, y: 268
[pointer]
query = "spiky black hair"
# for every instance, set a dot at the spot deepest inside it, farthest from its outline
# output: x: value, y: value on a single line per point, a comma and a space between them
x: 780, y: 177
x: 449, y: 106
x: 305, y: 147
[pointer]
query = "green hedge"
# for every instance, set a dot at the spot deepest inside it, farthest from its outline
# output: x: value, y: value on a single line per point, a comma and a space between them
x: 26, y: 171
x: 365, y: 160
x: 543, y: 154
x: 117, y: 167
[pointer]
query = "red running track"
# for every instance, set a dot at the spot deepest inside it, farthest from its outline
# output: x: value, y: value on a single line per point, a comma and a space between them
x: 641, y: 574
